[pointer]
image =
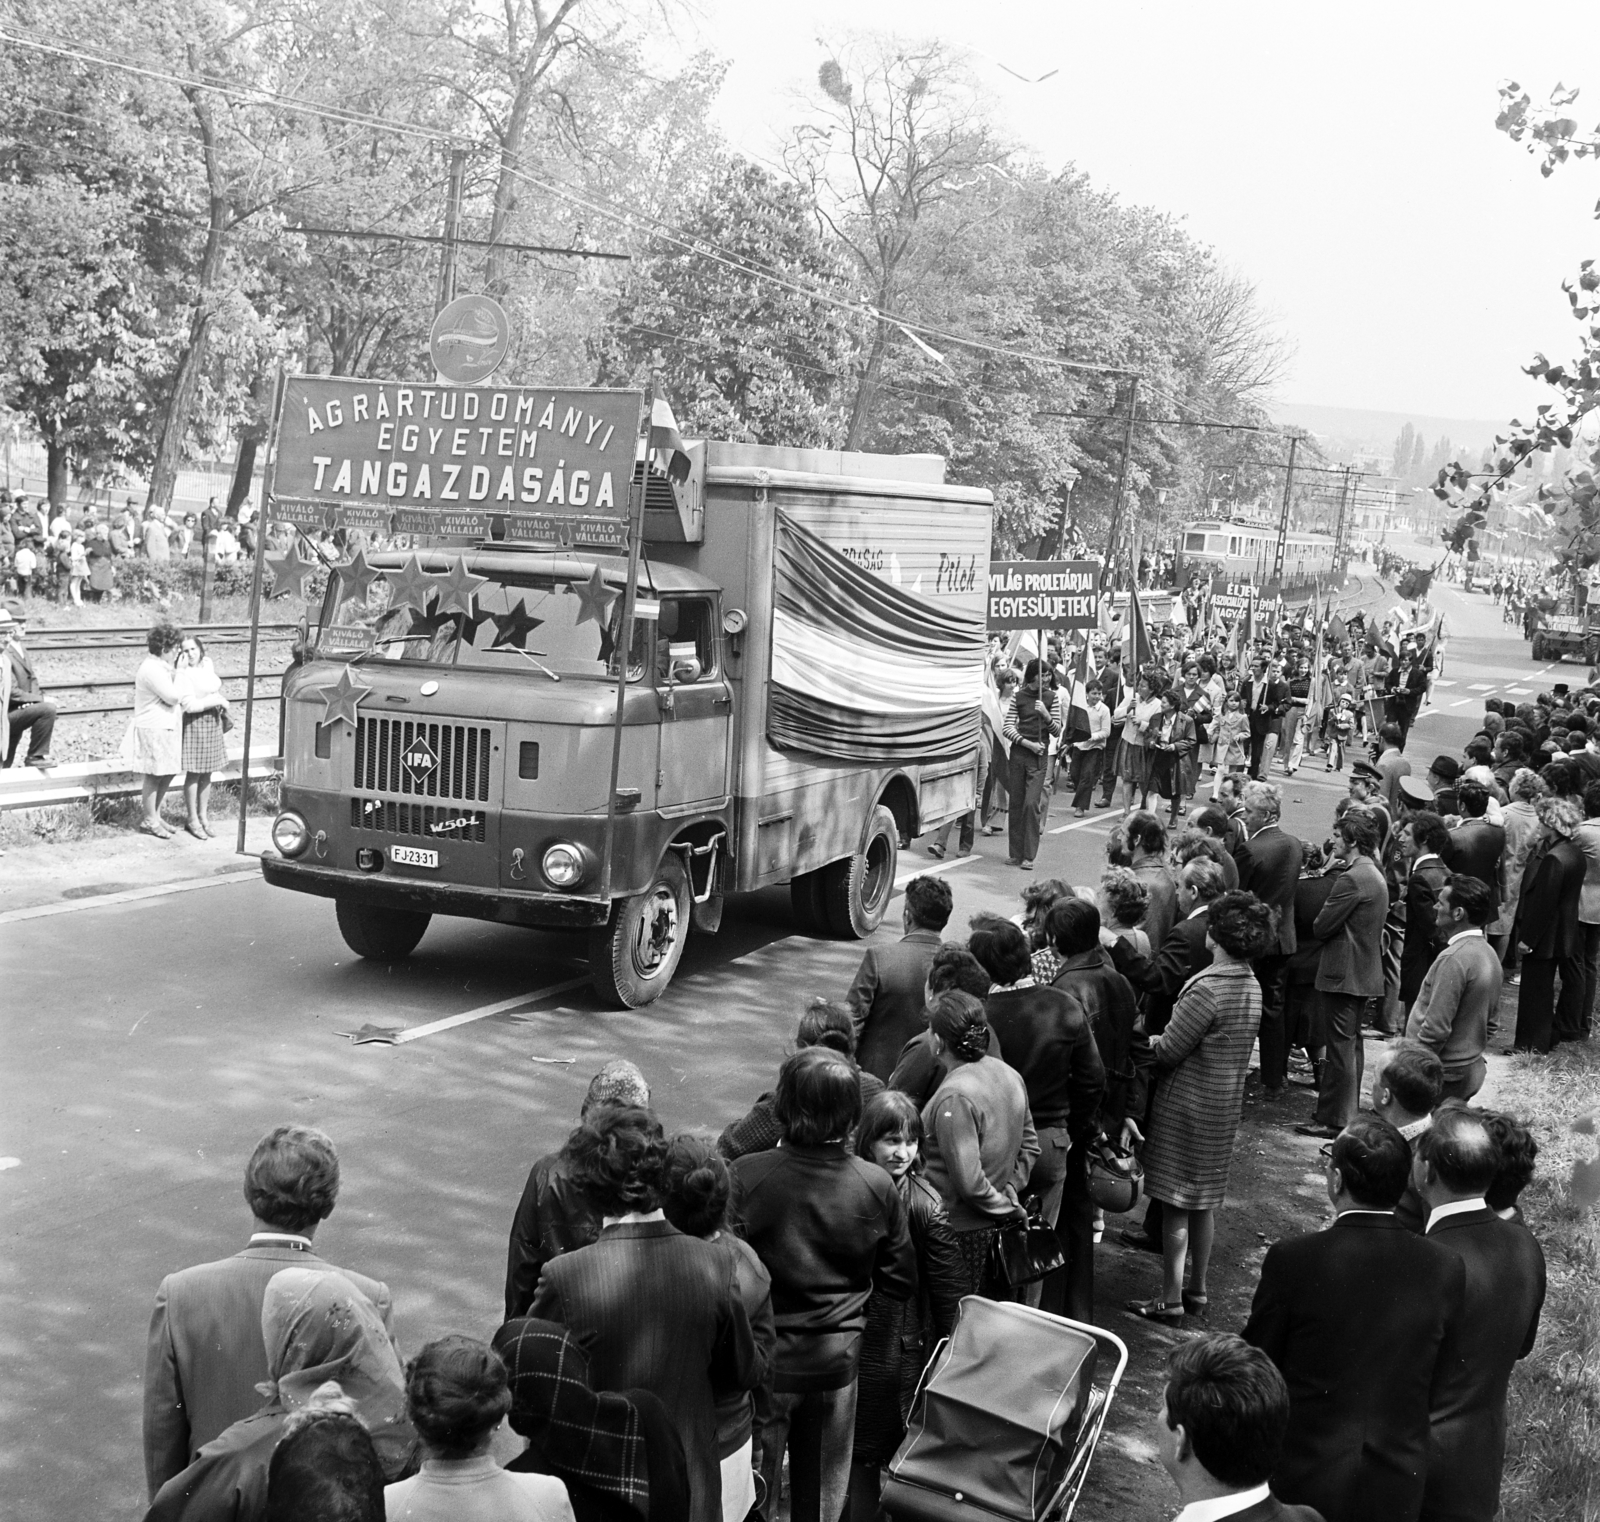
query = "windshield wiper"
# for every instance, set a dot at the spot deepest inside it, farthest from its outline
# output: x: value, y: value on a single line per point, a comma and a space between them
x: 528, y: 655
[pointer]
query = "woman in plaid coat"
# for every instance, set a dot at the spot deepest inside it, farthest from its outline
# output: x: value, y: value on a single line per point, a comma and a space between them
x: 1201, y: 1060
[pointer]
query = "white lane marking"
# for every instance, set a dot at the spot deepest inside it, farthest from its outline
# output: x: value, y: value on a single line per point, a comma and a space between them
x: 129, y: 895
x: 1519, y: 692
x: 934, y: 865
x: 1106, y: 818
x: 466, y: 1017
x: 1479, y: 686
x: 1442, y: 681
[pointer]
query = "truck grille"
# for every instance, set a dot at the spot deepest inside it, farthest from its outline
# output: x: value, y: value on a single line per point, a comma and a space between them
x: 417, y: 819
x: 460, y: 751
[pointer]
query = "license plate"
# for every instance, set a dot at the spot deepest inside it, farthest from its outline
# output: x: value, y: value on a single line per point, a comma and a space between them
x: 413, y: 856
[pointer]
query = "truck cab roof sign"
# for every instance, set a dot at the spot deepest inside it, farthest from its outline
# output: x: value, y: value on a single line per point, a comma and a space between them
x: 449, y: 457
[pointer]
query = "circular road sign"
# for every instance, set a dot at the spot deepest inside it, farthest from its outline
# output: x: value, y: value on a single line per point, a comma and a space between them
x: 469, y: 340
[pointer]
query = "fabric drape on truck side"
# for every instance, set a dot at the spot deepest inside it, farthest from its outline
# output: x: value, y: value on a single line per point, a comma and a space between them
x: 863, y: 670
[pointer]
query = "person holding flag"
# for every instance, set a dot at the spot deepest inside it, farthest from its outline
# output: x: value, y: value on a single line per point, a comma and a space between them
x: 1029, y: 724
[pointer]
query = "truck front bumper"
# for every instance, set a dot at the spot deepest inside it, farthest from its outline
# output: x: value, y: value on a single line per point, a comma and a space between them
x: 536, y: 910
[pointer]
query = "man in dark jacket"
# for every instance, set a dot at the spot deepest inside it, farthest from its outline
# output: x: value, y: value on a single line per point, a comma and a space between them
x: 554, y: 1215
x: 1455, y: 1163
x: 1355, y: 1318
x: 1183, y: 953
x: 1476, y: 846
x: 1266, y: 700
x: 887, y: 994
x: 1147, y: 845
x: 1423, y: 842
x: 1350, y: 969
x: 1108, y: 1002
x: 1045, y: 1035
x: 1549, y: 932
x: 1269, y: 867
x: 830, y: 1229
x: 29, y: 711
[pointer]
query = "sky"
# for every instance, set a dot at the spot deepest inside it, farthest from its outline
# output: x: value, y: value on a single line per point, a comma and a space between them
x: 1343, y: 156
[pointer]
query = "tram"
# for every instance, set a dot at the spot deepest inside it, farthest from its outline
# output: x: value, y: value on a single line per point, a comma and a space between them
x: 1245, y: 551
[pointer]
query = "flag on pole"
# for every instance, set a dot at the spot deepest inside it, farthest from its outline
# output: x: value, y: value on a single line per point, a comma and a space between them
x: 1137, y: 636
x: 1078, y: 700
x: 667, y: 453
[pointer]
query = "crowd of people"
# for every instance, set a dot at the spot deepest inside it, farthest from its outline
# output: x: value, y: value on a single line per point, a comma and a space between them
x: 62, y: 555
x: 693, y: 1325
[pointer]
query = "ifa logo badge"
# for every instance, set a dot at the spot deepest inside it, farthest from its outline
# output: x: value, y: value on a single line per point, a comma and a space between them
x: 419, y: 761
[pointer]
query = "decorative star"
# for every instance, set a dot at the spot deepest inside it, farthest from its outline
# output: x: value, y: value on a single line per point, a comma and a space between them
x: 355, y: 577
x: 596, y: 599
x: 411, y: 586
x: 340, y: 699
x: 289, y: 572
x: 425, y: 625
x: 373, y: 1035
x: 513, y: 627
x: 456, y: 587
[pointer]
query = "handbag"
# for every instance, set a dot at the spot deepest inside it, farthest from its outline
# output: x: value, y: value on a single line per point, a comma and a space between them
x: 1025, y: 1251
x: 227, y: 720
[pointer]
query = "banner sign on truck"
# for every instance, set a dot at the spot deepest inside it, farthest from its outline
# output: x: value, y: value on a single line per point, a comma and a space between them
x: 1043, y: 594
x: 419, y: 458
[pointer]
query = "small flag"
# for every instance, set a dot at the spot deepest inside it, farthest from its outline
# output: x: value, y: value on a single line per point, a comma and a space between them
x: 1140, y: 650
x: 1078, y: 704
x: 666, y: 443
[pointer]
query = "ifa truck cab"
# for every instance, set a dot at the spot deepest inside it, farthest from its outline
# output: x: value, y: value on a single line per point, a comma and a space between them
x: 800, y: 696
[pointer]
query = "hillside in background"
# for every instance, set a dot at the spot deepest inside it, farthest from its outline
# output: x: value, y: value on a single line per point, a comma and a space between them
x: 1354, y: 430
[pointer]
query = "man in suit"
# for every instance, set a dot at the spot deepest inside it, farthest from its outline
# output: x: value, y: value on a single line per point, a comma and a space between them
x: 1549, y: 933
x: 656, y: 1310
x: 1455, y: 1163
x: 1443, y: 775
x: 1406, y: 1091
x: 554, y: 1215
x: 1266, y: 699
x: 1476, y: 846
x: 1355, y: 1318
x: 886, y: 997
x: 1147, y: 845
x: 1460, y: 993
x: 206, y: 1355
x: 1350, y: 969
x: 1230, y: 800
x: 1269, y: 867
x: 831, y: 1230
x: 1216, y: 833
x: 1392, y: 764
x: 28, y: 711
x: 1422, y: 842
x: 1224, y: 1414
x: 1113, y: 690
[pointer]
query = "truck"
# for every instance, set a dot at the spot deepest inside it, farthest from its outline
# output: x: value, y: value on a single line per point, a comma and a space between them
x: 1568, y: 630
x: 801, y: 699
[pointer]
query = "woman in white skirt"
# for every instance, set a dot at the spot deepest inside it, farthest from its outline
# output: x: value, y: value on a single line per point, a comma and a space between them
x: 154, y: 742
x: 202, y: 752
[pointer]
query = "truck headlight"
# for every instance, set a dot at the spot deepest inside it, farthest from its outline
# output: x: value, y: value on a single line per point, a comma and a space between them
x: 563, y: 865
x: 290, y: 835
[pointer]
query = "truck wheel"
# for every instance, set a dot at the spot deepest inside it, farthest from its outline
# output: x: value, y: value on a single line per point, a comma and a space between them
x: 634, y: 955
x: 857, y: 890
x: 1538, y: 647
x: 383, y: 935
x: 808, y: 902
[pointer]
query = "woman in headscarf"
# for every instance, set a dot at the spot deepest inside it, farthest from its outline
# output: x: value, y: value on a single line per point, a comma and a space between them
x: 978, y: 1133
x: 619, y: 1455
x: 326, y: 1349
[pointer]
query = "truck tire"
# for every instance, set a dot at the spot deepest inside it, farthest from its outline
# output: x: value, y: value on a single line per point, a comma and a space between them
x: 381, y: 935
x: 1538, y: 647
x: 857, y: 890
x: 809, y: 904
x: 633, y: 956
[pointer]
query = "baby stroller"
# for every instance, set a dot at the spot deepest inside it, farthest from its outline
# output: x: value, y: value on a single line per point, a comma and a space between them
x: 1006, y: 1419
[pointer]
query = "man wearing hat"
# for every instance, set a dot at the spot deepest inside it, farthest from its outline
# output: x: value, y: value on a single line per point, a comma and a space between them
x: 28, y: 710
x: 1443, y: 774
x: 1366, y: 789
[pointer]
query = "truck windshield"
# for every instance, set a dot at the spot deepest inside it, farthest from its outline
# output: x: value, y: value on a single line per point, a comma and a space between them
x: 517, y: 623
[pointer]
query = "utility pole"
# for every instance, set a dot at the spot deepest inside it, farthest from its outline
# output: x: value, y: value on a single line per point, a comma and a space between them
x: 1341, y: 534
x: 452, y: 230
x: 1122, y: 479
x: 1283, y: 516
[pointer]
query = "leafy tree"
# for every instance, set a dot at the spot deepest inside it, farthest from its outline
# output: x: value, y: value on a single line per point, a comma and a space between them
x: 740, y: 355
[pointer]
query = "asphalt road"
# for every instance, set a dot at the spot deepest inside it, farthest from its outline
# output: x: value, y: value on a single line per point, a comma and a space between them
x: 148, y: 1044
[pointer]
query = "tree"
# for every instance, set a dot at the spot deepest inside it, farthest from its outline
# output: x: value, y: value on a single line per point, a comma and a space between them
x: 739, y: 354
x: 898, y: 133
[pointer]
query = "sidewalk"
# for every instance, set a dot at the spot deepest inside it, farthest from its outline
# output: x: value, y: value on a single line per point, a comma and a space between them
x: 38, y: 873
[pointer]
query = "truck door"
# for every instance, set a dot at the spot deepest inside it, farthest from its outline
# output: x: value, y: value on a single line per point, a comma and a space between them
x: 696, y: 704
